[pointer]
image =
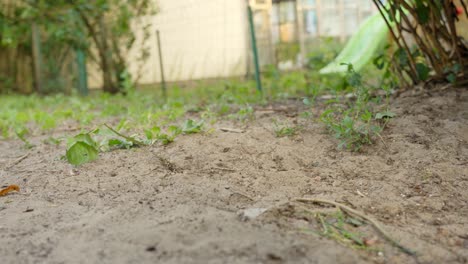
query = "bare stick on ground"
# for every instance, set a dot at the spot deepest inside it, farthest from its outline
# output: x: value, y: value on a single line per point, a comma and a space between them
x: 374, y: 223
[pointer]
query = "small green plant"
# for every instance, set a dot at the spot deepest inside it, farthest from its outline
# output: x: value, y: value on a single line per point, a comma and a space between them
x: 21, y: 133
x: 126, y: 141
x: 354, y: 124
x: 85, y: 147
x: 81, y: 148
x: 340, y: 228
x: 155, y: 134
x: 285, y: 130
x: 52, y: 141
x: 223, y: 109
x: 306, y: 114
x: 244, y: 114
x: 191, y: 127
x: 126, y: 83
x: 352, y: 133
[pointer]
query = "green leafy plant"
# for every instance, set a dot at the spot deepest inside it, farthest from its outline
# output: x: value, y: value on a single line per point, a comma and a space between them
x: 352, y: 133
x: 85, y: 147
x: 107, y: 26
x: 52, y: 141
x: 191, y: 127
x: 341, y: 228
x: 285, y: 130
x: 384, y: 115
x: 354, y: 124
x: 21, y: 133
x: 81, y: 148
x: 128, y: 139
x: 244, y: 114
x: 155, y: 134
x: 431, y: 24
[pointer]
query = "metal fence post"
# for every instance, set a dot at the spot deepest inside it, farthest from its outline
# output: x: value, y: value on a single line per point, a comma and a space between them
x: 82, y: 74
x: 301, y: 29
x: 161, y: 65
x: 254, y: 48
x: 37, y: 57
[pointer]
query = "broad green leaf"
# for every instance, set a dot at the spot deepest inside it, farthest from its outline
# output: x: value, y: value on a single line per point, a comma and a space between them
x: 423, y: 71
x: 83, y: 137
x: 119, y: 143
x: 165, y: 139
x: 402, y: 57
x: 456, y: 68
x: 191, y: 127
x: 174, y: 130
x: 422, y: 11
x: 386, y: 114
x: 379, y: 62
x: 451, y: 78
x: 366, y: 116
x: 148, y: 134
x: 81, y: 152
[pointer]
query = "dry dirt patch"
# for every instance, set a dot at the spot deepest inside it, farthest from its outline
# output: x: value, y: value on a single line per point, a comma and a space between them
x: 227, y: 197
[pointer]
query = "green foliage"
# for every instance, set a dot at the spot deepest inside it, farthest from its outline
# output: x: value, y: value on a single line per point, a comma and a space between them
x: 121, y: 141
x: 452, y: 72
x: 287, y: 51
x: 145, y: 111
x: 155, y: 134
x: 433, y: 25
x: 354, y: 125
x: 21, y: 133
x: 126, y: 82
x: 85, y: 147
x: 108, y: 26
x: 282, y: 130
x: 191, y: 127
x: 81, y: 149
x: 384, y: 115
x: 343, y: 229
x: 244, y: 114
x: 286, y: 131
x: 352, y: 132
x: 323, y: 53
x: 52, y: 141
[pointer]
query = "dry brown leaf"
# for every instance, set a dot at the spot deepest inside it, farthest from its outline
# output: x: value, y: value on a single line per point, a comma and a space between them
x: 9, y: 189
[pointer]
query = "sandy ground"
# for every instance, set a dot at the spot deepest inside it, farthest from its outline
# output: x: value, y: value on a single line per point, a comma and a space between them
x: 197, y: 200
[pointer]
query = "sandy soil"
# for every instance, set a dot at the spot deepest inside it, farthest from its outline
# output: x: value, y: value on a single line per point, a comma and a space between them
x: 197, y: 200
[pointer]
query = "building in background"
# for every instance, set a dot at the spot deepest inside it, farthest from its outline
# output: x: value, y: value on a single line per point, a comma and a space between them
x: 200, y: 39
x: 298, y: 25
x: 203, y: 39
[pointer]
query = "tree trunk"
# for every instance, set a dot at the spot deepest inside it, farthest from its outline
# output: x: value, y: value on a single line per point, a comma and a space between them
x: 37, y: 58
x: 111, y: 84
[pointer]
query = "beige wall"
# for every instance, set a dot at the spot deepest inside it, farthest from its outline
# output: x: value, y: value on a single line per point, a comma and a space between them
x: 199, y: 39
x: 462, y: 24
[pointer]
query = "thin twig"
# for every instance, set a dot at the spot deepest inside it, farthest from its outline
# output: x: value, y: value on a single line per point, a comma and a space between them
x: 233, y: 130
x: 18, y: 160
x: 133, y: 140
x: 383, y: 141
x: 350, y: 210
x: 223, y: 169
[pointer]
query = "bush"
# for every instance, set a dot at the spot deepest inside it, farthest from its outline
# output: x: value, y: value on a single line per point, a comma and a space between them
x: 439, y: 52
